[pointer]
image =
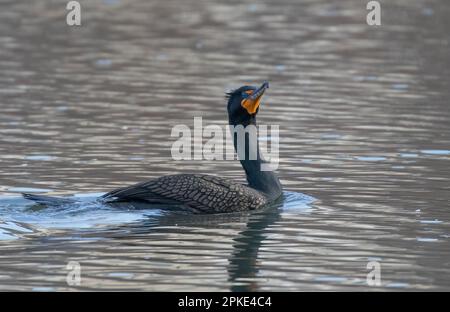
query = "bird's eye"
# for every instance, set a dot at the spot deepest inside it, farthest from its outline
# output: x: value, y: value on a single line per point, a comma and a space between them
x: 245, y: 94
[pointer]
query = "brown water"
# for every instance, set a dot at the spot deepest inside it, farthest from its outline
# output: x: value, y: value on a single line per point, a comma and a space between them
x: 365, y: 131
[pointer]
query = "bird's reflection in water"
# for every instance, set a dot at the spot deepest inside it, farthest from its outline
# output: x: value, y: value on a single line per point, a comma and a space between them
x: 243, y: 262
x: 243, y: 259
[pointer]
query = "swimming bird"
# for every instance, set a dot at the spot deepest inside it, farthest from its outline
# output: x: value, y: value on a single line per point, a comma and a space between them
x: 199, y: 193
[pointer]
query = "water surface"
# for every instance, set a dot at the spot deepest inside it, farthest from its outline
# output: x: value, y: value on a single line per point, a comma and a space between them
x: 365, y: 131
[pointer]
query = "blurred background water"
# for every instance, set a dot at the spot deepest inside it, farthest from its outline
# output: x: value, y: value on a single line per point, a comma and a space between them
x: 365, y: 131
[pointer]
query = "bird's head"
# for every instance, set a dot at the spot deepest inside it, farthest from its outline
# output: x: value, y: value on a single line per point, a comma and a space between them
x: 243, y: 103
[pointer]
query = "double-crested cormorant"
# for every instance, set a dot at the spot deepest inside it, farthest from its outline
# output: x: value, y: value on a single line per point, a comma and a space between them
x: 205, y: 193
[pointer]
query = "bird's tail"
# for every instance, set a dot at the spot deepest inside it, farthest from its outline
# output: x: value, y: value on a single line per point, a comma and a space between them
x: 48, y: 200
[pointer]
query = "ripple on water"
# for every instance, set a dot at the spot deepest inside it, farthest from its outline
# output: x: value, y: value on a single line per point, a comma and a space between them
x: 397, y: 285
x: 427, y: 239
x: 409, y: 155
x: 431, y: 221
x: 436, y: 152
x: 331, y: 136
x: 29, y: 190
x: 40, y: 157
x: 331, y: 279
x: 86, y: 213
x: 371, y: 158
x: 5, y: 235
x: 400, y: 86
x: 43, y: 289
x: 294, y: 201
x: 17, y: 214
x: 103, y: 63
x: 121, y: 275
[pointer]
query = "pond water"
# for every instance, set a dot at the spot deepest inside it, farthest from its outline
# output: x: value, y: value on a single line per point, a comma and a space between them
x: 364, y: 122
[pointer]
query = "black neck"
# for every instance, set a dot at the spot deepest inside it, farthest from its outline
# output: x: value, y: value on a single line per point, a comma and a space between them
x: 266, y: 182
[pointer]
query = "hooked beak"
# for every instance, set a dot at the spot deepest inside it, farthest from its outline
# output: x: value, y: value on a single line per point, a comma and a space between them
x: 251, y: 103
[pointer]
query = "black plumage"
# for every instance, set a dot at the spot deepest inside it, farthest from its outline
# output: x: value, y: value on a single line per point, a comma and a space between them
x: 194, y: 192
